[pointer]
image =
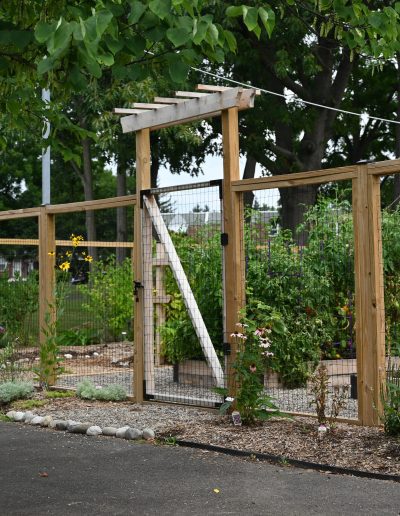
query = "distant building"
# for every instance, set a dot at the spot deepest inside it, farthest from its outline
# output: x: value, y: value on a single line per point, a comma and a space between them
x: 16, y: 267
x: 190, y: 222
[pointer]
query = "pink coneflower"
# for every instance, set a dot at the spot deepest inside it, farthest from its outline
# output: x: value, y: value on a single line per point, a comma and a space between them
x: 253, y: 368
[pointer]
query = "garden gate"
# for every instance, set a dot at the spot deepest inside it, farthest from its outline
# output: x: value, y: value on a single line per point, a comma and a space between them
x: 189, y: 242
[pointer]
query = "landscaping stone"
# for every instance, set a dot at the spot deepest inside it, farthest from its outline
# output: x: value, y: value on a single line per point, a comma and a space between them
x: 59, y: 424
x: 37, y: 420
x: 18, y: 416
x: 110, y: 431
x: 133, y: 434
x: 29, y: 416
x: 71, y: 423
x: 80, y: 428
x: 46, y: 421
x: 10, y: 414
x: 94, y: 430
x: 121, y: 431
x: 148, y: 434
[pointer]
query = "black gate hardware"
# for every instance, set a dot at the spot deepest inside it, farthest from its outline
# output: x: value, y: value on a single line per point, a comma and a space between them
x: 224, y: 239
x: 136, y: 287
x: 227, y: 348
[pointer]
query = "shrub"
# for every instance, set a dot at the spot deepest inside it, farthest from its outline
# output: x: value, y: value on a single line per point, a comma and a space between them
x: 87, y: 390
x: 11, y: 391
x: 109, y: 297
x: 18, y: 307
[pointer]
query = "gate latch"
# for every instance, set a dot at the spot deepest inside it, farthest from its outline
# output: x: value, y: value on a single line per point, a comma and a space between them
x: 227, y: 348
x: 136, y: 286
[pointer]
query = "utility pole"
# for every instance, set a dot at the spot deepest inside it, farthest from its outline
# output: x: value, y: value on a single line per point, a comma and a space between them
x: 46, y: 155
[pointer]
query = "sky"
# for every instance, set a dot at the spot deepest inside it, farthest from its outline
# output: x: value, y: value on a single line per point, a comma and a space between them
x: 212, y: 169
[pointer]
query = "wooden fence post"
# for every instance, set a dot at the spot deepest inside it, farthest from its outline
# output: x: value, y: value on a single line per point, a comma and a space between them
x: 369, y: 292
x: 142, y: 183
x: 233, y: 262
x: 47, y: 244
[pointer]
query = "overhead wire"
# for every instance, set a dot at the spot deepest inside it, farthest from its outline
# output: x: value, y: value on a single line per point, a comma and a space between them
x: 295, y: 97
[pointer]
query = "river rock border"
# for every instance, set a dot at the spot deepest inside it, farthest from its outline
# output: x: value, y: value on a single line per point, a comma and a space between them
x: 77, y: 427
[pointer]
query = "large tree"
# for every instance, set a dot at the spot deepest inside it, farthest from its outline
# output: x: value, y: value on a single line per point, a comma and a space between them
x: 317, y: 53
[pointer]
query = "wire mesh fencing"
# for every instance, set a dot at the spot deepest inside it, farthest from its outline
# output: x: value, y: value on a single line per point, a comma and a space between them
x: 182, y: 239
x: 299, y: 263
x: 86, y: 330
x: 390, y: 222
x: 94, y: 304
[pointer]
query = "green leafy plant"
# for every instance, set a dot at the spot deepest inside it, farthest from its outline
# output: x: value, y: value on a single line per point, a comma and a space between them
x: 87, y: 390
x: 109, y: 297
x: 18, y: 307
x: 201, y: 259
x: 78, y: 337
x: 49, y: 367
x: 391, y: 402
x: 10, y: 367
x: 253, y: 342
x: 10, y: 391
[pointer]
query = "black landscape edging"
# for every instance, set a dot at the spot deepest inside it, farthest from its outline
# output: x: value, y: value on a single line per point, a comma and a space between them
x: 278, y: 459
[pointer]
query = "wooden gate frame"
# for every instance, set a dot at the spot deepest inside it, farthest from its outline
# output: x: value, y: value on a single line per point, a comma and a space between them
x: 187, y: 106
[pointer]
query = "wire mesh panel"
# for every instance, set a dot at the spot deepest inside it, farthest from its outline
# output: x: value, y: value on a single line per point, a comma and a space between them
x: 19, y: 298
x: 94, y: 303
x: 299, y: 262
x: 181, y: 242
x: 391, y: 267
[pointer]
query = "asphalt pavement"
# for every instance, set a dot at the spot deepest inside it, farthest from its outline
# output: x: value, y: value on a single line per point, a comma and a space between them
x: 43, y: 471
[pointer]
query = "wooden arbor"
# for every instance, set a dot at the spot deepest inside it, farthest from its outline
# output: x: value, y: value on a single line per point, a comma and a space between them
x: 207, y: 102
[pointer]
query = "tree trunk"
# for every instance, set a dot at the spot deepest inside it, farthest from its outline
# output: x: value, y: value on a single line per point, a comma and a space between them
x: 295, y: 202
x: 87, y: 181
x: 122, y: 226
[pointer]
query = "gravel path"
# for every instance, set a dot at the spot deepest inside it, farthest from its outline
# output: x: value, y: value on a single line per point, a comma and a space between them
x: 294, y: 400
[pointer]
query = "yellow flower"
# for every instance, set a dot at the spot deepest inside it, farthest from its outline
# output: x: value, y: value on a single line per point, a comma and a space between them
x: 68, y: 254
x: 51, y: 253
x: 75, y: 239
x: 65, y: 266
x: 88, y: 258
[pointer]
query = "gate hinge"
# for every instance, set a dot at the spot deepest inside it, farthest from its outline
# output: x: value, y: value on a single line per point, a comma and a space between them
x: 136, y: 286
x: 226, y: 348
x: 224, y: 239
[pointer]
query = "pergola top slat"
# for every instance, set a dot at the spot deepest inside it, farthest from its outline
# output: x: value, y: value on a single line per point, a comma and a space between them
x: 149, y: 105
x: 126, y: 111
x: 199, y: 106
x: 214, y: 87
x: 168, y: 100
x: 190, y: 94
